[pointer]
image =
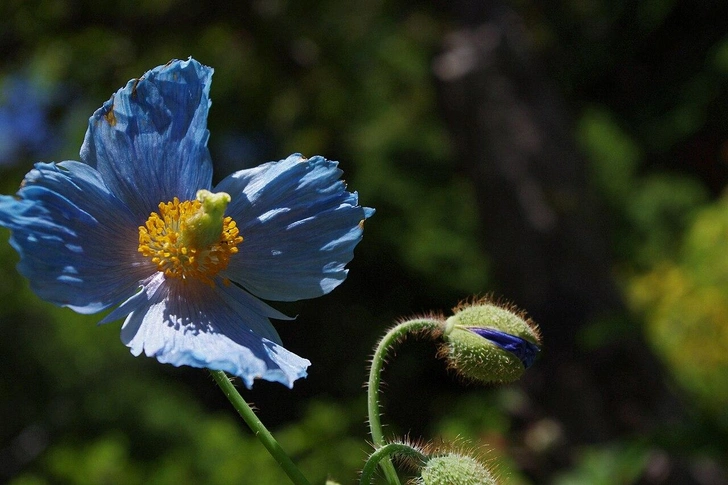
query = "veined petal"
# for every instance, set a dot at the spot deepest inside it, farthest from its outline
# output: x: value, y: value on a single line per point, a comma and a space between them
x: 300, y: 226
x: 189, y: 323
x: 149, y: 141
x: 77, y: 241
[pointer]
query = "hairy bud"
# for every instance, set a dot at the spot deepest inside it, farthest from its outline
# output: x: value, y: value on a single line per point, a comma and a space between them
x: 486, y: 343
x: 455, y: 469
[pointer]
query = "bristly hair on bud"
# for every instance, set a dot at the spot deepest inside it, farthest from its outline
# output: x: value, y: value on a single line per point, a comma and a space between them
x: 455, y: 469
x: 468, y: 311
x: 454, y: 464
x: 487, y: 341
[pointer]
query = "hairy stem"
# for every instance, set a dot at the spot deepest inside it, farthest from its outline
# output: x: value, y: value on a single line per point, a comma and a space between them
x: 385, y: 452
x: 391, y: 339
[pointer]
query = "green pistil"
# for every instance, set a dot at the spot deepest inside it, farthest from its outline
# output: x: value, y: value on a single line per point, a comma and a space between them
x: 203, y: 228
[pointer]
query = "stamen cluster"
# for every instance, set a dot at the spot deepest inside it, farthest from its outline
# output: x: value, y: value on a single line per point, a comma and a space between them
x: 161, y: 239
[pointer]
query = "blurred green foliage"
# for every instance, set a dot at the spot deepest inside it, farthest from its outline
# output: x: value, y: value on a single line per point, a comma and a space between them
x: 607, y: 465
x: 352, y: 81
x: 685, y: 301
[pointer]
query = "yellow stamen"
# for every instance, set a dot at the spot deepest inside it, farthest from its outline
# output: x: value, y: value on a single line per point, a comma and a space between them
x: 168, y: 239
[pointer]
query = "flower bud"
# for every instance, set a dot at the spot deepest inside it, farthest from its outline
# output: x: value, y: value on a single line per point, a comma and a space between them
x: 455, y: 469
x: 488, y: 343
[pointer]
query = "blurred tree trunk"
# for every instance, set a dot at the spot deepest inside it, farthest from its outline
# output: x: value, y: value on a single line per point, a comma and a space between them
x: 543, y: 227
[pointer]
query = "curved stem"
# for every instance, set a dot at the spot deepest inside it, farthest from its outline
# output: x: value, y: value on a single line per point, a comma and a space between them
x: 386, y: 451
x: 390, y: 339
x: 261, y: 432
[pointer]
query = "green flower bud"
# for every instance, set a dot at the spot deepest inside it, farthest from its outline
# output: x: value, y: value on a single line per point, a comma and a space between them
x: 455, y: 469
x: 488, y: 343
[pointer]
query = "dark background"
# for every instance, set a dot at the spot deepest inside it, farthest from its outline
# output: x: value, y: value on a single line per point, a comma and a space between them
x: 569, y: 157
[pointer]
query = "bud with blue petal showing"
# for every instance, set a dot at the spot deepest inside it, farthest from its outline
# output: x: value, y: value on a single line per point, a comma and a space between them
x: 487, y: 343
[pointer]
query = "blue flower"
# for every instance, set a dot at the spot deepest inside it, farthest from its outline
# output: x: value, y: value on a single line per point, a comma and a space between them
x: 136, y: 225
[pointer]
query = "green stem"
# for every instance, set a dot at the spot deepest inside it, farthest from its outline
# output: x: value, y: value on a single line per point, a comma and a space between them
x: 261, y: 432
x: 392, y: 337
x: 386, y: 451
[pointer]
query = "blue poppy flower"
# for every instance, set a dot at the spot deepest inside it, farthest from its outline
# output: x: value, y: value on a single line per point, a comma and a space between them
x: 136, y: 225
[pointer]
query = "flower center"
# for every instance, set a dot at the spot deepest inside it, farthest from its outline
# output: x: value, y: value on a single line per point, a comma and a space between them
x: 191, y: 239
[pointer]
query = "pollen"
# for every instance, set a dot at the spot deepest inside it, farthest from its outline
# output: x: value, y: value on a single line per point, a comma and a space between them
x: 165, y: 240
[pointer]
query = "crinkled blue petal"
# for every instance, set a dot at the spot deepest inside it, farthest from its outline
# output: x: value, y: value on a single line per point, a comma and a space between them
x: 149, y: 141
x: 222, y: 328
x: 523, y: 349
x: 299, y: 226
x: 77, y: 241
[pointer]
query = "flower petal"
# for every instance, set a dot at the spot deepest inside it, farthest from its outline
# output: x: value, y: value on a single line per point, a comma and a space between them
x: 523, y: 349
x: 186, y: 323
x: 76, y: 240
x: 299, y: 225
x: 149, y: 141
